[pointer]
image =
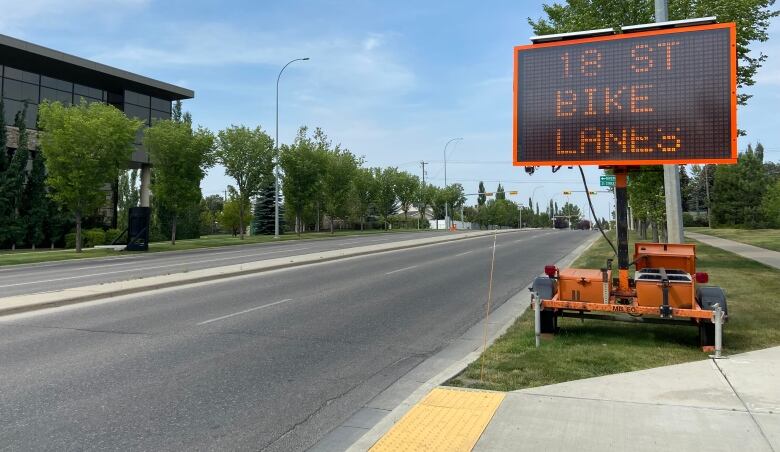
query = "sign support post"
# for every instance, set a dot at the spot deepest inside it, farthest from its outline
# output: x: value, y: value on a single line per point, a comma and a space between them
x: 672, y: 192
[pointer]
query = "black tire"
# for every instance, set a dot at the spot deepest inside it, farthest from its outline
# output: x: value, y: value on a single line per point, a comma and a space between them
x: 706, y: 333
x: 549, y: 321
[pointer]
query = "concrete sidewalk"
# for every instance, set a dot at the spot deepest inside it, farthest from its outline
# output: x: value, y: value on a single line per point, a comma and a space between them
x: 729, y: 404
x: 762, y: 255
x: 714, y: 405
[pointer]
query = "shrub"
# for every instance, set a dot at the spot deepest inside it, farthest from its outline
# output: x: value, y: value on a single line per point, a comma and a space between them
x: 111, y: 235
x: 94, y: 237
x: 70, y: 240
x: 89, y: 238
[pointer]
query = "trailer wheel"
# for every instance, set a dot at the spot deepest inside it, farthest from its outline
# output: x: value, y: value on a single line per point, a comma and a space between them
x: 706, y: 334
x: 549, y: 321
x: 546, y: 288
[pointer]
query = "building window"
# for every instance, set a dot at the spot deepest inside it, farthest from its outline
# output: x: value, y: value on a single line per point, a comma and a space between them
x: 16, y: 90
x: 88, y: 100
x: 23, y: 76
x: 61, y: 85
x: 12, y: 107
x: 131, y: 97
x: 160, y: 115
x: 55, y: 95
x: 134, y: 111
x: 87, y: 92
x: 161, y: 105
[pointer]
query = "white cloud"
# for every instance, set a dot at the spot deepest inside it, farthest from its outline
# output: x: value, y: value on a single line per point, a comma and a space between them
x: 362, y: 69
x: 20, y: 15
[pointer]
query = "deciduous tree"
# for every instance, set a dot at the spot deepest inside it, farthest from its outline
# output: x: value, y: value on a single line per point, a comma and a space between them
x: 340, y: 167
x: 751, y: 16
x: 181, y: 157
x: 385, y: 198
x: 363, y: 192
x: 248, y: 157
x: 85, y: 145
x: 301, y: 164
x: 407, y: 187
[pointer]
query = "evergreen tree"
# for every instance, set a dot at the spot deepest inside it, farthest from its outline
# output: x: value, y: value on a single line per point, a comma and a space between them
x: 685, y: 188
x: 5, y: 182
x: 264, y: 213
x: 738, y: 190
x: 17, y: 171
x: 500, y: 194
x: 35, y: 203
x: 481, y: 196
x: 56, y: 223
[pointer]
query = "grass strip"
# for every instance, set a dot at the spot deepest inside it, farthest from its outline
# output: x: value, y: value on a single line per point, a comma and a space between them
x: 762, y: 238
x: 593, y: 348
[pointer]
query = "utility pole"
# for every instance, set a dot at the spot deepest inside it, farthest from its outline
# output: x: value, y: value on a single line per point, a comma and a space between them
x: 521, y: 215
x: 447, y: 204
x: 674, y: 225
x: 420, y: 209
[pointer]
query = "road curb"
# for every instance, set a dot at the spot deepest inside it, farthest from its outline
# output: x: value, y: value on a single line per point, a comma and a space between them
x: 30, y: 302
x: 508, y: 313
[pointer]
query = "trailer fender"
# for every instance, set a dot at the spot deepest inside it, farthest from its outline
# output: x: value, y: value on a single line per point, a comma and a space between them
x: 708, y: 296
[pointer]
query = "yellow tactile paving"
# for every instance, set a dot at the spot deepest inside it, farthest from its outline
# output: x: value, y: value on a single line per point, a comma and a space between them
x: 448, y: 419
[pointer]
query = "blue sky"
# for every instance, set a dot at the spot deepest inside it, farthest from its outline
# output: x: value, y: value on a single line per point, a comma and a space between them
x: 391, y: 81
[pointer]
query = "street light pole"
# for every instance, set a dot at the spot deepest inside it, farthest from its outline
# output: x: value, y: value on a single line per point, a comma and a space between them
x: 674, y: 224
x: 446, y: 204
x: 276, y: 144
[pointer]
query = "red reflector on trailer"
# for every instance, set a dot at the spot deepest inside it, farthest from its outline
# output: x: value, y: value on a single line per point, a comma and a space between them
x: 702, y: 277
x: 550, y: 270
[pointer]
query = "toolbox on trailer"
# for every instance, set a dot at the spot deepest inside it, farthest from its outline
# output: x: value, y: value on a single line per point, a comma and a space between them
x: 581, y: 284
x: 649, y: 283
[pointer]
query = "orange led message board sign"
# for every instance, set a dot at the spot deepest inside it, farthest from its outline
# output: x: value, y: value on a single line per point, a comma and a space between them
x: 647, y: 98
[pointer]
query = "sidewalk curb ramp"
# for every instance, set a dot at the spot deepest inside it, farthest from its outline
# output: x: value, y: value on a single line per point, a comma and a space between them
x: 30, y: 302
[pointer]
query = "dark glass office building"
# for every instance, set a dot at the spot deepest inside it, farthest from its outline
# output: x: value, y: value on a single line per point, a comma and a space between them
x: 33, y: 73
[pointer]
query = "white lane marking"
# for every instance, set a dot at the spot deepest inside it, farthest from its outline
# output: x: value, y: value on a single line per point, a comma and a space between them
x: 464, y: 253
x: 402, y: 269
x: 245, y: 311
x: 146, y: 268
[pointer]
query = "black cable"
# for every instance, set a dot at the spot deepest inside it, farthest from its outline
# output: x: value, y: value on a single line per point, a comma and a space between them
x: 593, y: 211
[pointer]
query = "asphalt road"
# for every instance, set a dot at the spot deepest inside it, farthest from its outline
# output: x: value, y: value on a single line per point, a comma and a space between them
x: 261, y: 362
x: 49, y: 276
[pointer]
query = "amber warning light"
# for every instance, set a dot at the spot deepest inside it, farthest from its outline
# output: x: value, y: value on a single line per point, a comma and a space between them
x: 664, y: 96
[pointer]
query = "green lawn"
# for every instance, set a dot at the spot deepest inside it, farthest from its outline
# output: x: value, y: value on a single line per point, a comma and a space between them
x: 25, y: 256
x: 594, y: 348
x: 764, y: 238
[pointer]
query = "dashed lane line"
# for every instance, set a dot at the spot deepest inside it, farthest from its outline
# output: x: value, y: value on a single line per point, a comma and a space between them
x: 245, y: 311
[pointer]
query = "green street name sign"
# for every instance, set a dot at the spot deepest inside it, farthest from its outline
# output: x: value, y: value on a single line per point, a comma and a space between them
x: 607, y: 181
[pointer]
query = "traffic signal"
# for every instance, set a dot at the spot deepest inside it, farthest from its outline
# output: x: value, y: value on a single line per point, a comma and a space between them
x: 567, y: 192
x: 513, y: 193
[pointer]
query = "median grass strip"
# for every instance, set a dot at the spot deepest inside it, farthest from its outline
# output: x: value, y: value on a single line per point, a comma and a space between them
x: 762, y: 238
x: 25, y: 256
x: 595, y: 348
